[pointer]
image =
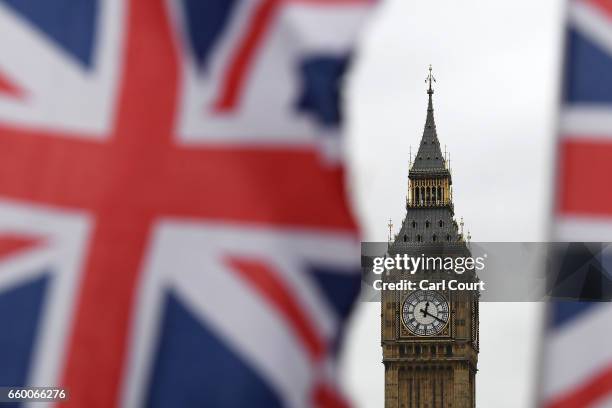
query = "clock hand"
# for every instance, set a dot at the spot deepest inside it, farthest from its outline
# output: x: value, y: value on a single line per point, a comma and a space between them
x: 435, y: 317
x: 424, y: 311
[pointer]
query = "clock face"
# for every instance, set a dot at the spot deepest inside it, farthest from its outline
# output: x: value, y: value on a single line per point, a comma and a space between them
x: 425, y: 313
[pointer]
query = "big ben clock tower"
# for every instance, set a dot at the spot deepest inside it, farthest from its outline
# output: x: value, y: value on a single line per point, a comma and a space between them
x: 430, y: 337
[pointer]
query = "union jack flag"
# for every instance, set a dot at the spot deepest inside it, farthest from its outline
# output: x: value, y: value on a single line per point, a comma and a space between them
x: 173, y: 227
x: 577, y: 369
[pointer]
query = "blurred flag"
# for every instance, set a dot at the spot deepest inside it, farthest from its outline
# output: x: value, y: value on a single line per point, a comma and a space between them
x: 173, y: 226
x: 577, y: 348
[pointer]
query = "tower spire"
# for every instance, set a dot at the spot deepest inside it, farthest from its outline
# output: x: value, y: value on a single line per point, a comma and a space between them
x: 429, y: 157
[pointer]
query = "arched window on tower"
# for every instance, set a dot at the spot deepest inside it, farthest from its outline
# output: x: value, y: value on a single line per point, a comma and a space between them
x: 416, y: 198
x: 414, y: 224
x: 441, y: 223
x: 440, y: 194
x: 405, y: 237
x: 418, y: 238
x: 434, y: 238
x: 426, y: 224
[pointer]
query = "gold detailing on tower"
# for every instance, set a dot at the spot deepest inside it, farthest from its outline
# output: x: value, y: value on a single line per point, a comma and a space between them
x: 429, y: 192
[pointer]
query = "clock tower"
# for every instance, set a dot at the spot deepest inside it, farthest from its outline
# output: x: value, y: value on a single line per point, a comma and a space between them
x: 430, y: 337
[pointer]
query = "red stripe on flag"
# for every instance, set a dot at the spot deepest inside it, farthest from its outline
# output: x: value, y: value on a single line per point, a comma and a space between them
x: 10, y: 244
x: 325, y: 396
x: 97, y: 345
x: 275, y: 291
x: 583, y: 184
x: 234, y: 80
x: 604, y: 5
x: 586, y: 394
x: 9, y: 88
x: 258, y: 185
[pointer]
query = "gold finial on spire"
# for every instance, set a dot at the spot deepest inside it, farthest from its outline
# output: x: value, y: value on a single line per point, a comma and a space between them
x: 461, y: 224
x: 429, y: 79
x: 390, y: 225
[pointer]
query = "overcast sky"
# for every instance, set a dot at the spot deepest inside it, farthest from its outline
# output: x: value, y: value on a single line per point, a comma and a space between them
x: 497, y: 66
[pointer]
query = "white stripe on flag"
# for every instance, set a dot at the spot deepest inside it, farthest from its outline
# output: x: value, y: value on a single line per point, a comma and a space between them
x: 573, y: 228
x: 586, y: 121
x: 577, y: 351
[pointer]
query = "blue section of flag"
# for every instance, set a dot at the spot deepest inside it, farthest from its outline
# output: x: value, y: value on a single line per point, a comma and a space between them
x: 69, y: 23
x: 587, y: 71
x: 194, y: 368
x: 320, y: 92
x: 206, y: 21
x: 562, y: 313
x: 341, y: 288
x: 20, y: 310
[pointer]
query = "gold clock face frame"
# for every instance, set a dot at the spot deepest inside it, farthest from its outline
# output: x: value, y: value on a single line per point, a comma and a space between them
x: 425, y: 313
